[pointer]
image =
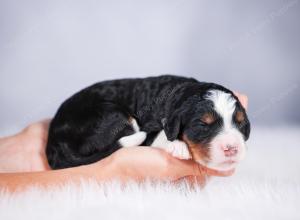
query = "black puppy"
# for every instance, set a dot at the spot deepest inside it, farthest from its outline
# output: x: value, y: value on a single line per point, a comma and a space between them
x: 189, y: 119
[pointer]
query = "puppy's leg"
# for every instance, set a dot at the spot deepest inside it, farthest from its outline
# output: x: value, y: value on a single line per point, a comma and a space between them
x: 177, y: 148
x: 135, y: 139
x: 83, y: 133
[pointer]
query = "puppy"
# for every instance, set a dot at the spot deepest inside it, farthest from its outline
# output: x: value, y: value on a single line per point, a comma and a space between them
x: 187, y: 118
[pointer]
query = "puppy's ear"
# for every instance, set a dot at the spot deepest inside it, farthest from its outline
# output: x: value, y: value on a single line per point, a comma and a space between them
x: 247, y: 128
x: 172, y: 127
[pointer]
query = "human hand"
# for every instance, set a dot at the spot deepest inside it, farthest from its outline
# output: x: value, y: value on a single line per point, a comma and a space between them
x: 25, y: 151
x: 142, y: 163
x: 243, y: 99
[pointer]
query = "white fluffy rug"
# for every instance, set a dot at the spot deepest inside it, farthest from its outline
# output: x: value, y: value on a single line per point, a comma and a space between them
x: 266, y: 186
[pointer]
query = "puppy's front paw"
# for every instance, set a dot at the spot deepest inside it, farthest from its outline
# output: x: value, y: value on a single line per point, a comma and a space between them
x: 133, y: 140
x: 178, y: 149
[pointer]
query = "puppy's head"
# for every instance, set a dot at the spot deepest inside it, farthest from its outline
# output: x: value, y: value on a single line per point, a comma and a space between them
x: 215, y: 126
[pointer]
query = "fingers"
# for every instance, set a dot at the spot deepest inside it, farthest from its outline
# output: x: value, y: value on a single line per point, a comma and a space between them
x: 145, y: 162
x: 211, y: 172
x: 193, y: 168
x: 192, y: 181
x: 243, y: 99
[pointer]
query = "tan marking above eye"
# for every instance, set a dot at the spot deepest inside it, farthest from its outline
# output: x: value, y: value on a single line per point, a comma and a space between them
x: 240, y: 116
x: 208, y: 118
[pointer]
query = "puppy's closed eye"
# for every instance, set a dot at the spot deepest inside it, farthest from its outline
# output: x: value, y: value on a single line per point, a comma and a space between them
x: 208, y: 118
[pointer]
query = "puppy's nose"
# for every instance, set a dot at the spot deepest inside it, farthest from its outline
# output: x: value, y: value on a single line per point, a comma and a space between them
x: 230, y: 150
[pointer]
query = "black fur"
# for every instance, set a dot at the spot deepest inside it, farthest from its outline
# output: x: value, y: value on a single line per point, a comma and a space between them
x: 89, y: 124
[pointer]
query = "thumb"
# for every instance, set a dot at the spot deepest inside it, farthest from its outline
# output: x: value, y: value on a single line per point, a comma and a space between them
x: 212, y: 172
x: 193, y: 168
x: 193, y: 181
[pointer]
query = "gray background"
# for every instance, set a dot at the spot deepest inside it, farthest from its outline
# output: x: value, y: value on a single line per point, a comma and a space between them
x: 51, y: 49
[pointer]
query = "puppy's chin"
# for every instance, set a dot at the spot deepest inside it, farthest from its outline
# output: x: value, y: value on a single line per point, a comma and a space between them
x: 224, y: 166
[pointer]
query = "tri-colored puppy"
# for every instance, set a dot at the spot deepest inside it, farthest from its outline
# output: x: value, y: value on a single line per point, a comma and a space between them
x: 189, y: 119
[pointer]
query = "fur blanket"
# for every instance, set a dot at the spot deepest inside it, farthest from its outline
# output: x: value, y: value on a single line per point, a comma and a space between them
x: 266, y: 186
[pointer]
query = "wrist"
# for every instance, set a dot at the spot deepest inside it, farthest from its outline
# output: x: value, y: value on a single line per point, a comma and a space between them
x: 104, y: 170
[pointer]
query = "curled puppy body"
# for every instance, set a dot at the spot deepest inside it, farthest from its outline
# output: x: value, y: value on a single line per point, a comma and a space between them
x: 189, y: 119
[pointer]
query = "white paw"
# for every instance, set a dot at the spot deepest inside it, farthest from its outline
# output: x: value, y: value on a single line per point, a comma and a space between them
x: 133, y: 140
x: 178, y: 149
